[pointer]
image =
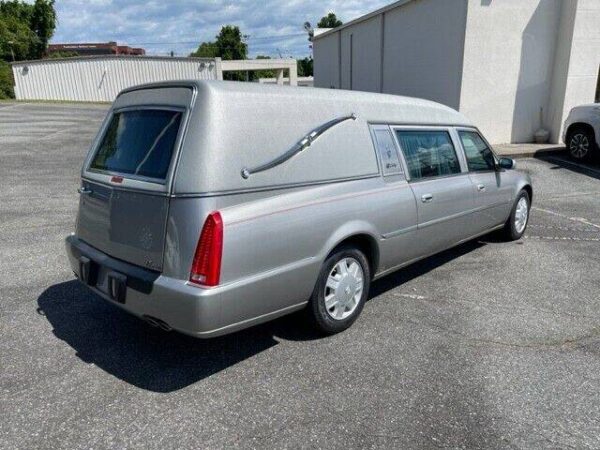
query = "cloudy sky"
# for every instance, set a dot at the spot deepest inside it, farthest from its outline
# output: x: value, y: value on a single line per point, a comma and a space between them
x: 161, y: 26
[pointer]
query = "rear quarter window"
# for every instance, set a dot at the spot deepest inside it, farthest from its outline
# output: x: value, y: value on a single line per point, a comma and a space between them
x: 138, y: 142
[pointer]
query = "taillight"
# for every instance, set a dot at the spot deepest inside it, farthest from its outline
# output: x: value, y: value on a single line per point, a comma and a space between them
x: 206, y: 267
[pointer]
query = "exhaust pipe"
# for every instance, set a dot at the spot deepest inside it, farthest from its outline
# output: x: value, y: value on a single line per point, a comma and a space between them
x: 157, y: 323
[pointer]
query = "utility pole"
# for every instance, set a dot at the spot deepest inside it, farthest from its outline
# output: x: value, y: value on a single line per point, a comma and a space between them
x: 12, y: 52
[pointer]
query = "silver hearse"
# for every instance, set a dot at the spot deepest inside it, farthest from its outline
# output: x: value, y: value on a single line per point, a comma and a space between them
x: 208, y: 207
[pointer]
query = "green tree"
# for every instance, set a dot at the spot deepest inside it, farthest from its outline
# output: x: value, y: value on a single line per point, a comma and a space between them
x: 16, y: 39
x: 228, y: 45
x: 42, y: 23
x: 18, y: 9
x: 6, y: 81
x: 305, y: 67
x: 329, y: 21
x: 206, y: 50
x: 25, y: 29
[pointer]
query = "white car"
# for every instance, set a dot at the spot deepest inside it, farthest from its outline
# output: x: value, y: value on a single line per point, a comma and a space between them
x: 582, y: 131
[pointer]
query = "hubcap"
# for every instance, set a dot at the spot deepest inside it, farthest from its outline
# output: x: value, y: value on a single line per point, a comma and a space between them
x: 344, y: 288
x: 521, y: 215
x: 579, y: 145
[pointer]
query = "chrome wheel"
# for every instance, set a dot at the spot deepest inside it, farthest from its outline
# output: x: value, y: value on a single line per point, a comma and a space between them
x: 344, y: 288
x: 521, y: 215
x: 579, y: 146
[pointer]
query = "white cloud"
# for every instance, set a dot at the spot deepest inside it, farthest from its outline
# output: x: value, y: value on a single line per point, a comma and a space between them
x: 180, y: 25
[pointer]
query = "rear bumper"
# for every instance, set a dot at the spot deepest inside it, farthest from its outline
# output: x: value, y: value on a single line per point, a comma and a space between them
x: 184, y: 307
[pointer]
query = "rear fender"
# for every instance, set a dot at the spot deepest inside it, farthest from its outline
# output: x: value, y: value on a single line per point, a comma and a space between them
x: 347, y: 231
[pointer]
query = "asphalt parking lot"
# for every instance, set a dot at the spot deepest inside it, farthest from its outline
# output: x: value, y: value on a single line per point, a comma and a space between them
x: 488, y: 345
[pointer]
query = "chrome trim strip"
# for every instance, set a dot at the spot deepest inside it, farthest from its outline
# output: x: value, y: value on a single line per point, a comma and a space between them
x: 274, y: 187
x: 393, y: 234
x: 412, y: 261
x: 443, y: 219
x: 118, y: 187
x: 233, y: 191
x: 301, y: 145
x: 396, y: 233
x: 460, y: 214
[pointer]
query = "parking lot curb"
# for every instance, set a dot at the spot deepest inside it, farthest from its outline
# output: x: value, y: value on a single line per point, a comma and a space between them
x: 529, y: 153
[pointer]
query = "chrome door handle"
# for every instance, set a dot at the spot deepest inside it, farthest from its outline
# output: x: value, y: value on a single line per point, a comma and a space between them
x: 426, y: 198
x: 84, y: 191
x: 481, y: 187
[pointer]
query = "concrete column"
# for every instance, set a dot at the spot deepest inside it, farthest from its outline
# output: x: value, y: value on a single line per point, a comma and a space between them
x: 218, y: 68
x: 279, y: 75
x: 294, y: 75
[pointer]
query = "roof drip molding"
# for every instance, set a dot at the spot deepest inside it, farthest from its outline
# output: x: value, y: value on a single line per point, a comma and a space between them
x: 363, y: 18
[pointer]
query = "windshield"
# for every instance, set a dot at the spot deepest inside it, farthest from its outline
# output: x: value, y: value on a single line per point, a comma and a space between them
x: 139, y: 142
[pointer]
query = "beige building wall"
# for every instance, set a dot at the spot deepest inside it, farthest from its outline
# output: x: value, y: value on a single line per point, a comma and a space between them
x: 584, y: 60
x: 379, y: 54
x: 423, y: 50
x: 500, y: 62
x: 326, y: 52
x: 508, y: 66
x: 361, y: 56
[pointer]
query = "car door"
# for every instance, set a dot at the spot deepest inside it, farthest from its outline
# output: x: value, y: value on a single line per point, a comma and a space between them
x: 398, y: 220
x: 441, y: 185
x: 492, y: 193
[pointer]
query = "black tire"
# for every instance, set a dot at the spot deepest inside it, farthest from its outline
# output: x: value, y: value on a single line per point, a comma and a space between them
x: 511, y: 233
x: 581, y: 144
x: 321, y: 317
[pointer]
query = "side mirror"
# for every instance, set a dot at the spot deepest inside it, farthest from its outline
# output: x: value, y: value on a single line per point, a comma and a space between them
x: 507, y: 163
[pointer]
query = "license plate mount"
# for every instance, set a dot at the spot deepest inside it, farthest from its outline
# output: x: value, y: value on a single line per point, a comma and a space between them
x: 88, y: 271
x: 117, y: 286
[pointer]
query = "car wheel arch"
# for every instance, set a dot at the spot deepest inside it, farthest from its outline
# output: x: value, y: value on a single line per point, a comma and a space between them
x: 362, y: 237
x: 529, y: 189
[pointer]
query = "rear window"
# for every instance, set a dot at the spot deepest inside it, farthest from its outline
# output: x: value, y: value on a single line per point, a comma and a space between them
x: 139, y: 142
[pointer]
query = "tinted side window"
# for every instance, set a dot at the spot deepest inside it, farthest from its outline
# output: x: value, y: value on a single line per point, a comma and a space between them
x: 138, y: 142
x: 428, y: 153
x: 479, y: 155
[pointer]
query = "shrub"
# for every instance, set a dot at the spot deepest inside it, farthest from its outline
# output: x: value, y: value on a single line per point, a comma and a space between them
x: 6, y: 81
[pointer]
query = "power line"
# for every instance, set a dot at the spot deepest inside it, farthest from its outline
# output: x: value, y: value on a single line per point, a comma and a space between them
x: 195, y: 42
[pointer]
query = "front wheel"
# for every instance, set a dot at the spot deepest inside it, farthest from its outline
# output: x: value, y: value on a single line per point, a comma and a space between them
x: 581, y: 144
x: 519, y: 217
x: 341, y: 290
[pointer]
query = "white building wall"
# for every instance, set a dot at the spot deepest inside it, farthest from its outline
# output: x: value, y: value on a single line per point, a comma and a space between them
x: 500, y: 62
x: 584, y: 60
x: 508, y: 66
x: 555, y: 114
x: 412, y: 48
x: 102, y: 78
x: 423, y: 49
x: 361, y: 56
x: 326, y: 52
